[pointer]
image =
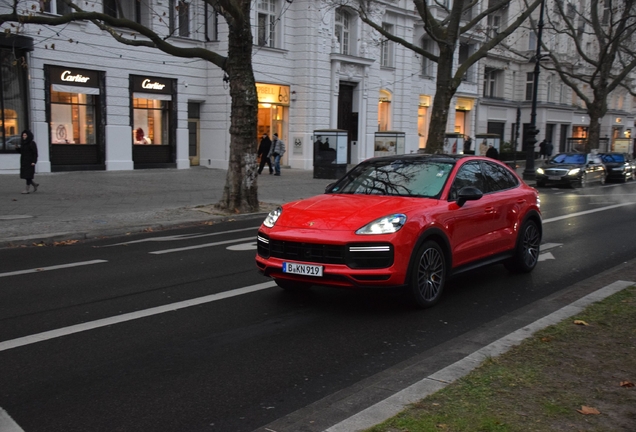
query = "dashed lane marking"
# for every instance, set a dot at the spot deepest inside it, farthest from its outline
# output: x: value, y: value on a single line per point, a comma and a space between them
x: 57, y: 267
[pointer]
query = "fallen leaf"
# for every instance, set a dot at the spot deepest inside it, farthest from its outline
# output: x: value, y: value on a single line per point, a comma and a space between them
x: 580, y: 322
x: 65, y: 242
x: 546, y: 339
x: 627, y: 384
x: 586, y: 410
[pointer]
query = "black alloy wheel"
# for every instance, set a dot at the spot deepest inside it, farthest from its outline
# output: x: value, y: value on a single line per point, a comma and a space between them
x: 526, y: 254
x: 428, y: 275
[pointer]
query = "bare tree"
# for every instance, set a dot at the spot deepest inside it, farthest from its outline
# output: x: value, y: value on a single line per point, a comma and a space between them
x: 604, y: 54
x: 447, y: 30
x: 240, y: 191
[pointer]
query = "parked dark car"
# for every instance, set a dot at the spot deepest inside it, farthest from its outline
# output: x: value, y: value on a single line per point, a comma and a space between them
x: 573, y: 169
x: 620, y: 166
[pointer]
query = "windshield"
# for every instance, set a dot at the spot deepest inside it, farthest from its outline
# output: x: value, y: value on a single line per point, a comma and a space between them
x: 569, y: 159
x: 417, y: 178
x: 613, y: 158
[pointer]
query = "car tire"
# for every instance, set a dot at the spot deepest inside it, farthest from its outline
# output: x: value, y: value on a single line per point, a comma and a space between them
x: 540, y: 183
x: 526, y: 254
x: 428, y: 275
x: 292, y: 286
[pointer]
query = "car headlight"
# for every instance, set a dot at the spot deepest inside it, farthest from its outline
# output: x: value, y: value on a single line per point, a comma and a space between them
x: 385, y: 225
x: 574, y: 171
x: 272, y: 217
x: 539, y: 170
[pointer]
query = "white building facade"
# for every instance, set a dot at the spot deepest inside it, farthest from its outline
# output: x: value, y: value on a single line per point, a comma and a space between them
x: 318, y: 69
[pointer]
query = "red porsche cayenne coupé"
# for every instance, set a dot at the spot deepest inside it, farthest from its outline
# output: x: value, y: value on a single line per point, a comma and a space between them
x: 404, y: 221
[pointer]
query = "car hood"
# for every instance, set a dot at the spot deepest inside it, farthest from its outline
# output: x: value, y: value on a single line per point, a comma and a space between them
x: 343, y: 212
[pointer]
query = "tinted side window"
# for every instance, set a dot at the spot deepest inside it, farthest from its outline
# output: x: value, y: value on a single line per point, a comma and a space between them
x: 498, y: 178
x: 469, y: 175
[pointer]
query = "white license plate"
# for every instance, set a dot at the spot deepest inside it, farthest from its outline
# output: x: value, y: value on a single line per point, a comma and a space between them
x: 302, y: 269
x: 554, y: 177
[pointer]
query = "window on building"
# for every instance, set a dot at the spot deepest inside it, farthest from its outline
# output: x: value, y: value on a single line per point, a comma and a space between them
x: 266, y: 20
x: 494, y: 25
x: 55, y: 7
x: 493, y: 85
x: 529, y: 85
x: 384, y: 111
x: 465, y: 51
x: 211, y: 23
x: 427, y: 64
x: 133, y: 10
x: 386, y: 53
x: 342, y: 29
x: 13, y: 101
x: 179, y: 18
x: 548, y: 96
x: 532, y: 40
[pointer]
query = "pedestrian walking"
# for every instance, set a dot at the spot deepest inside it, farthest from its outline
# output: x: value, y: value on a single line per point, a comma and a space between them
x: 277, y: 150
x: 548, y: 150
x: 28, y: 158
x: 263, y: 153
x: 542, y: 149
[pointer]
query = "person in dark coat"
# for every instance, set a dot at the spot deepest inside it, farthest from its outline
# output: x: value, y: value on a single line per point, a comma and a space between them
x: 28, y: 158
x: 263, y: 151
x: 492, y: 152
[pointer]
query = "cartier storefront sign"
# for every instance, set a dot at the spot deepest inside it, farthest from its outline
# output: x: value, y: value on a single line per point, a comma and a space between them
x: 74, y: 77
x: 146, y: 84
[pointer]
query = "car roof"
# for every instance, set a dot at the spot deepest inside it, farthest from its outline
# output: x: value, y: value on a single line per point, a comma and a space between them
x: 449, y: 158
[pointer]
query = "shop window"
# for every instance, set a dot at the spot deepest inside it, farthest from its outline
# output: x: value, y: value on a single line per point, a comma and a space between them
x: 13, y: 102
x: 55, y: 7
x: 266, y: 20
x: 579, y: 132
x: 384, y: 111
x: 73, y: 118
x: 387, y: 47
x: 152, y: 117
x: 179, y: 18
x: 136, y: 11
x: 342, y: 30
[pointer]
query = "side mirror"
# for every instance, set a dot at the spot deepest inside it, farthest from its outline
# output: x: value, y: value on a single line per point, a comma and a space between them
x: 468, y: 193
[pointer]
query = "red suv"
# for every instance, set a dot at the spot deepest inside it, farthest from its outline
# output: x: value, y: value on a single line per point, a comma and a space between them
x: 404, y: 221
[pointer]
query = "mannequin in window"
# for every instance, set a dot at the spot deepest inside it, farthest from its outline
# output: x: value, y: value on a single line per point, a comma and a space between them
x: 141, y: 138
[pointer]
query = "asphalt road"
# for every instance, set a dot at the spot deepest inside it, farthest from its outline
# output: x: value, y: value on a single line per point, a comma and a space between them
x: 176, y: 330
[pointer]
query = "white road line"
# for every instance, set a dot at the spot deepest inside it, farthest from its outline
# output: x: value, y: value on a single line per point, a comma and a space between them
x: 65, y: 331
x: 7, y: 424
x: 204, y: 245
x: 586, y: 212
x: 57, y: 267
x: 183, y: 236
x: 548, y: 246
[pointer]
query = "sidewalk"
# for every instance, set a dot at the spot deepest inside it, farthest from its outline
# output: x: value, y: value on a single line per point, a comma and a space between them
x: 89, y: 204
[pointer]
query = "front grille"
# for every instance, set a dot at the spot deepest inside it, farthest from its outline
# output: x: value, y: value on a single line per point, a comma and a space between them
x: 556, y: 172
x: 318, y: 253
x: 355, y: 256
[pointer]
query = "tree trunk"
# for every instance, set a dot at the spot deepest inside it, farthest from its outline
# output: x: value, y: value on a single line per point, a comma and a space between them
x: 240, y: 194
x: 594, y: 128
x: 444, y: 92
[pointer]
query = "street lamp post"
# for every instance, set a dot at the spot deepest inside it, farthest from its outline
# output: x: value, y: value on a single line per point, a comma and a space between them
x: 530, y: 135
